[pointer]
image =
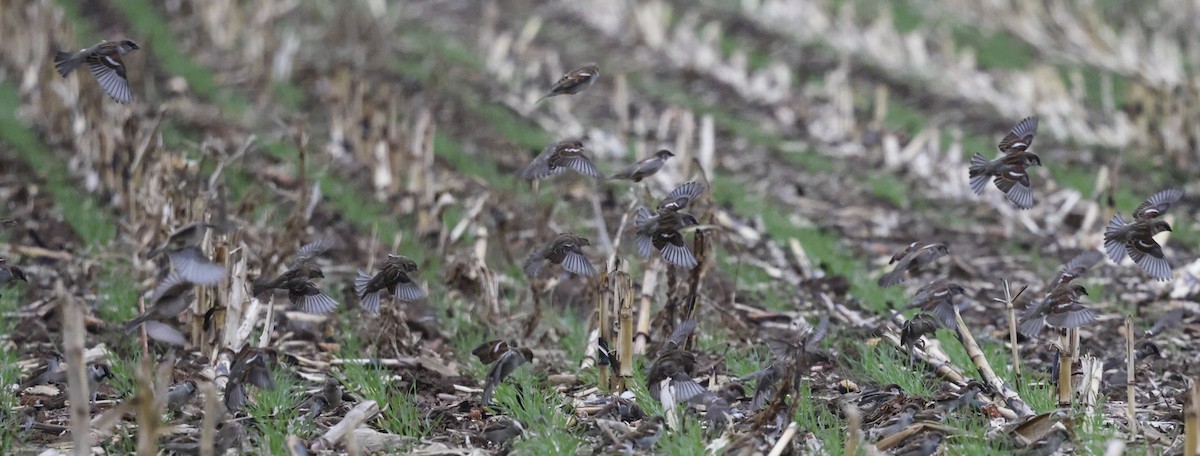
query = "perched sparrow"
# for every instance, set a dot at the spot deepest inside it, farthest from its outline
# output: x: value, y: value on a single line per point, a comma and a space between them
x: 661, y: 232
x: 920, y: 325
x: 1009, y: 169
x: 938, y: 297
x: 180, y: 394
x: 171, y: 297
x: 249, y: 366
x: 301, y: 292
x: 556, y: 158
x: 1049, y: 445
x: 506, y: 358
x: 646, y: 436
x: 645, y: 168
x: 1136, y: 237
x: 96, y: 375
x: 963, y: 398
x: 898, y: 423
x: 567, y: 251
x: 502, y: 431
x: 912, y: 259
x: 393, y: 277
x: 924, y: 447
x: 329, y: 398
x: 9, y: 273
x: 681, y: 197
x: 55, y: 371
x: 1060, y: 309
x: 574, y: 81
x: 229, y: 436
x: 106, y: 64
x: 675, y: 363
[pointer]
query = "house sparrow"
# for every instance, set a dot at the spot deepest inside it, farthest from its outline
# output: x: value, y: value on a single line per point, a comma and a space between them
x: 646, y: 436
x: 329, y: 398
x: 502, y: 431
x: 1009, y: 170
x: 170, y: 298
x: 1050, y: 444
x: 393, y: 277
x: 964, y: 397
x: 505, y: 358
x: 567, y: 251
x: 938, y: 297
x: 249, y: 366
x: 1060, y: 308
x: 303, y: 294
x: 910, y: 335
x: 1078, y: 266
x: 96, y: 375
x: 898, y: 423
x: 164, y: 333
x: 644, y: 168
x: 675, y: 363
x: 9, y: 273
x: 181, y: 246
x: 910, y: 260
x: 105, y: 62
x: 661, y: 232
x: 556, y: 158
x: 180, y: 394
x: 681, y: 197
x: 1136, y: 237
x: 924, y: 447
x: 55, y: 371
x: 574, y: 82
x: 789, y: 348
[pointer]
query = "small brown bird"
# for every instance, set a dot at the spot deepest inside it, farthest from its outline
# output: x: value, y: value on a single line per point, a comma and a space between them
x: 301, y: 291
x: 9, y: 273
x: 645, y: 168
x: 54, y: 371
x: 661, y: 232
x: 1136, y: 237
x: 393, y: 277
x: 249, y: 366
x: 180, y: 394
x: 505, y: 358
x: 556, y: 158
x: 675, y: 363
x: 1078, y: 266
x: 645, y: 437
x: 106, y: 63
x: 910, y: 335
x: 170, y: 298
x: 574, y: 81
x: 567, y: 251
x: 790, y: 350
x: 1060, y: 309
x: 910, y: 260
x: 181, y: 246
x: 681, y: 197
x: 1009, y: 170
x: 938, y: 298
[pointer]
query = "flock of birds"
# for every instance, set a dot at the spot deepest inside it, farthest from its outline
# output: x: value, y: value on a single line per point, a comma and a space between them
x: 670, y: 373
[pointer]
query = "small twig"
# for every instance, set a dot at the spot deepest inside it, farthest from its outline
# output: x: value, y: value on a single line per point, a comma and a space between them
x: 784, y: 440
x: 354, y: 418
x: 649, y: 282
x: 1007, y: 393
x: 853, y: 429
x: 212, y: 414
x: 71, y: 312
x: 625, y: 302
x: 1130, y: 393
x: 1008, y: 300
x: 1191, y: 420
x: 1065, y: 364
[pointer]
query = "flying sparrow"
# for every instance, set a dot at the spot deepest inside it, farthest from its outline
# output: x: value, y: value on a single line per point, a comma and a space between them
x: 938, y: 297
x: 644, y: 168
x: 1009, y: 170
x: 574, y: 81
x: 504, y: 358
x: 910, y: 335
x: 303, y: 294
x: 1077, y: 266
x: 249, y: 366
x: 910, y: 260
x: 567, y: 251
x: 170, y: 298
x: 393, y: 277
x: 789, y: 351
x: 1060, y: 309
x: 556, y: 158
x: 106, y: 63
x: 661, y: 232
x: 675, y: 363
x: 1136, y: 237
x: 681, y: 197
x: 181, y: 246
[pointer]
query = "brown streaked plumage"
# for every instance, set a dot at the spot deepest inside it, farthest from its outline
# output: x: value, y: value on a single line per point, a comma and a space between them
x: 9, y: 273
x: 567, y: 251
x: 394, y: 277
x: 249, y: 366
x: 661, y: 232
x: 938, y: 297
x: 645, y: 168
x: 675, y: 363
x: 1010, y: 169
x: 574, y: 81
x: 681, y: 197
x: 106, y: 64
x: 910, y: 260
x: 558, y: 157
x: 1059, y: 309
x: 302, y: 268
x: 1136, y: 237
x: 170, y: 298
x: 505, y: 358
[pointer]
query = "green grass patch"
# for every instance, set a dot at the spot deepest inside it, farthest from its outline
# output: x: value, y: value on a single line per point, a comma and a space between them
x: 884, y: 365
x: 276, y: 412
x: 543, y: 413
